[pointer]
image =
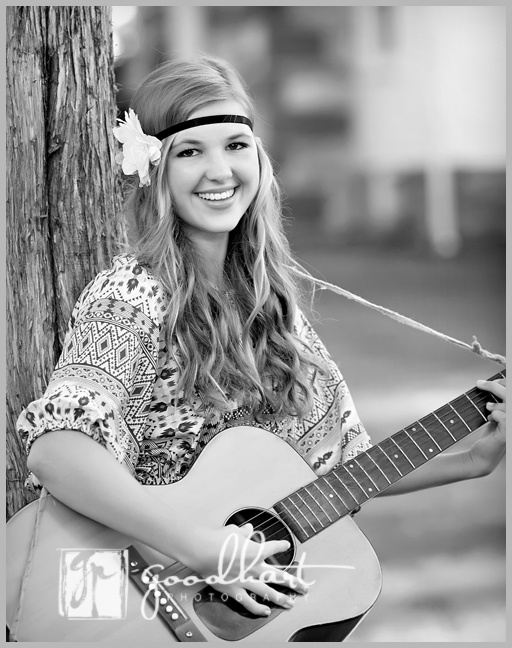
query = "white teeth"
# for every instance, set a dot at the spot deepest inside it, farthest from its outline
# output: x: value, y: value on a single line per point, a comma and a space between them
x: 217, y: 196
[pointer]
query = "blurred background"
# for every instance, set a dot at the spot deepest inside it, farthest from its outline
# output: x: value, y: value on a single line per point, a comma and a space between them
x: 387, y: 129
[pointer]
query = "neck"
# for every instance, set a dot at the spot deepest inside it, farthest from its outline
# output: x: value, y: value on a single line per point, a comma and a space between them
x: 213, y: 250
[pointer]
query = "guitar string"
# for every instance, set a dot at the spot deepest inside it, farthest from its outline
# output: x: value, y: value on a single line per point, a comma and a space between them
x: 478, y: 401
x: 270, y: 534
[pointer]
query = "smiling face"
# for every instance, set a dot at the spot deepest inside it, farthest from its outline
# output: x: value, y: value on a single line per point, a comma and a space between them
x: 213, y: 174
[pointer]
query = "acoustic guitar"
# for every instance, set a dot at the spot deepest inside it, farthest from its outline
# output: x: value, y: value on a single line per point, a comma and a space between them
x: 244, y: 474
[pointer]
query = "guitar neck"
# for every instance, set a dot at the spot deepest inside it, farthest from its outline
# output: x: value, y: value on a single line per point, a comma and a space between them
x: 316, y: 506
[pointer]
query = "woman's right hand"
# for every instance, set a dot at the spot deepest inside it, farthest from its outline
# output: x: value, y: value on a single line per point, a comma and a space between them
x: 230, y: 554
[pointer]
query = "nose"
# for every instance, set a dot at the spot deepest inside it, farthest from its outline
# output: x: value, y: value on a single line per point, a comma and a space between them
x: 219, y: 168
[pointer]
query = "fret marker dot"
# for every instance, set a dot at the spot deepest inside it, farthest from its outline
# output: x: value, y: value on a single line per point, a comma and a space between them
x: 414, y: 429
x: 430, y: 450
x: 351, y: 465
x: 331, y: 495
x: 395, y: 456
x: 451, y: 421
x: 370, y: 490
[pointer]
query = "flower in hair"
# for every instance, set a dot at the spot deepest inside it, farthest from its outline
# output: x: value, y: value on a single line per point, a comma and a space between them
x: 139, y: 150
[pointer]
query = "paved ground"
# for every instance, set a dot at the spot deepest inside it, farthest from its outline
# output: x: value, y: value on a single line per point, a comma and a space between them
x: 442, y: 550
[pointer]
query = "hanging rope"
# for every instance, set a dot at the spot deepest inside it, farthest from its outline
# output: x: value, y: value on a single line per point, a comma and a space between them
x: 475, y: 346
x: 28, y: 566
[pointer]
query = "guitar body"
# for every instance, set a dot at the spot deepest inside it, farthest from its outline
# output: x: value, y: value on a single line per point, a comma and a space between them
x: 241, y: 468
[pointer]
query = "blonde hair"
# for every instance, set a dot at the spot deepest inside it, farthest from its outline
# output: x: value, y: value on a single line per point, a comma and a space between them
x: 248, y: 353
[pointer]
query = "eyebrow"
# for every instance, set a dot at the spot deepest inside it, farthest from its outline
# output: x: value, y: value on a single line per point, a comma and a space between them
x: 231, y: 138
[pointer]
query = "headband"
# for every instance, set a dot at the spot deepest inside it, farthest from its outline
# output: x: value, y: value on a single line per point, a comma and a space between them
x: 141, y: 150
x: 203, y: 121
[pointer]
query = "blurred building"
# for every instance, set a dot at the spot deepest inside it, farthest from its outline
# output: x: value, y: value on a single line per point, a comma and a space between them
x: 385, y: 123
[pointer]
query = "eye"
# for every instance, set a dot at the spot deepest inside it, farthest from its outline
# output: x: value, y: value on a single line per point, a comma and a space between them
x: 237, y: 146
x: 187, y: 153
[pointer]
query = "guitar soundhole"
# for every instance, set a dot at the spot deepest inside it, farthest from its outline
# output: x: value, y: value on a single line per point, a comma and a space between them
x: 271, y: 527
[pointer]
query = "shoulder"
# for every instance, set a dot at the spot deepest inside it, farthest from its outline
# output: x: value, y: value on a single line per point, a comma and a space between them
x: 128, y: 282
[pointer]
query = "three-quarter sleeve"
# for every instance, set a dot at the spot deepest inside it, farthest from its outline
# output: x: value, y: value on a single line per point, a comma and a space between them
x: 103, y: 382
x: 331, y: 433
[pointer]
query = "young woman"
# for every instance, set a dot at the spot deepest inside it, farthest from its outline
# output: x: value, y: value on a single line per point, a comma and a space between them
x: 199, y: 328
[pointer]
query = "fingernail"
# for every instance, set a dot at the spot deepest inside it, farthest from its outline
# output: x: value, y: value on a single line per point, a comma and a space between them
x: 289, y: 603
x: 481, y: 382
x: 490, y: 405
x: 267, y: 612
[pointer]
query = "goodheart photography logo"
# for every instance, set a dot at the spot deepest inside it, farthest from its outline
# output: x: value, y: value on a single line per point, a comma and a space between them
x: 223, y: 577
x: 93, y: 584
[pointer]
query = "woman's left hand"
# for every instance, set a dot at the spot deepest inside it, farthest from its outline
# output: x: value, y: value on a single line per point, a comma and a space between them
x: 488, y: 451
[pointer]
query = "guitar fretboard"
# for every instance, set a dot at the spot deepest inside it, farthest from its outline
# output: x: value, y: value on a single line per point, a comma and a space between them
x: 317, y: 505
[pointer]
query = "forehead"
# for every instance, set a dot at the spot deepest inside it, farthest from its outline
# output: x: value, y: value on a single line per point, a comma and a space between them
x: 214, y: 131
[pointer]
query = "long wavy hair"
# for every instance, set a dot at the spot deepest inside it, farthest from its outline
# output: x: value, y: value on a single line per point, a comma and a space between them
x: 244, y: 349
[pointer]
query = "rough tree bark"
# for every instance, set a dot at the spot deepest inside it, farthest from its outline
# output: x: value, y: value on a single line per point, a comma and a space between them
x: 63, y: 191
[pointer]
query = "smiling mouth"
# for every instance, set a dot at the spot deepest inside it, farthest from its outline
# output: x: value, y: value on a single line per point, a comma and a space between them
x: 216, y: 197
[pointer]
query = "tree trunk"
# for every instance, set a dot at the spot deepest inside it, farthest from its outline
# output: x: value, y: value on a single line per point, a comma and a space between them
x: 63, y: 192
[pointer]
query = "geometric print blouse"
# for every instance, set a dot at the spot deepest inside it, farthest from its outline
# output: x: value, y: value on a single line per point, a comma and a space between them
x: 116, y: 383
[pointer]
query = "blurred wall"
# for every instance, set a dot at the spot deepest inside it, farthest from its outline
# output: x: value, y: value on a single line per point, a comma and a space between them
x: 430, y: 101
x: 386, y: 124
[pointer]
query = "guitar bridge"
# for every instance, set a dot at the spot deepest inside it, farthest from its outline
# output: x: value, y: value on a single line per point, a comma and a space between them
x: 156, y: 594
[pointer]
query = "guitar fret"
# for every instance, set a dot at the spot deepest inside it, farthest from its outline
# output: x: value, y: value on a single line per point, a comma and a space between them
x: 391, y: 460
x: 299, y: 509
x: 351, y: 467
x: 328, y: 498
x: 379, y: 468
x: 402, y: 452
x: 335, y: 474
x: 355, y: 481
x: 318, y: 503
x: 336, y: 492
x: 453, y: 408
x: 293, y: 516
x: 365, y: 472
x: 373, y: 470
x: 410, y: 437
x: 431, y: 437
x: 437, y: 417
x: 476, y: 408
x: 309, y: 508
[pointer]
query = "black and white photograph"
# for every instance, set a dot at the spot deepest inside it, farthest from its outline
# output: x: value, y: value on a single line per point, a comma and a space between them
x: 256, y: 307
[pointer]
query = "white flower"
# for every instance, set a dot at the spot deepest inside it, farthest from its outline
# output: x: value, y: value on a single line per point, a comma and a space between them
x: 139, y: 149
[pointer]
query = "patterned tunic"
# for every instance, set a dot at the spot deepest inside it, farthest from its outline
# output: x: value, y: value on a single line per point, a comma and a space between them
x: 116, y: 382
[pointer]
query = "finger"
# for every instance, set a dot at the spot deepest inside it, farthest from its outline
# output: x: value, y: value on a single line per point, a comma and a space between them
x: 496, y: 406
x: 498, y: 416
x: 269, y: 594
x: 249, y: 602
x: 272, y: 575
x: 247, y: 530
x: 273, y: 547
x: 496, y: 387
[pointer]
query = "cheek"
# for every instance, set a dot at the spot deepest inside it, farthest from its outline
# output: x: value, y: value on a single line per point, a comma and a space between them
x: 252, y: 174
